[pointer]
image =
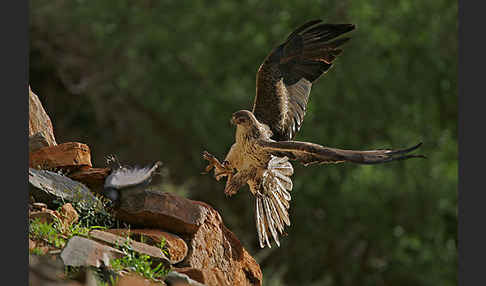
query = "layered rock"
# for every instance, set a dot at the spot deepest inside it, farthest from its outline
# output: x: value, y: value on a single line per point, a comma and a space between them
x: 48, y: 187
x: 70, y: 155
x: 39, y: 121
x: 215, y: 256
x: 198, y: 247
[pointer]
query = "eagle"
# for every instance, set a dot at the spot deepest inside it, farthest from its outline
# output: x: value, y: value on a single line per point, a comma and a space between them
x: 263, y: 148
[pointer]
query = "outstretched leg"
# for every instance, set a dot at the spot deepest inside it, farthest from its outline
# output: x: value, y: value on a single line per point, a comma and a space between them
x: 220, y: 169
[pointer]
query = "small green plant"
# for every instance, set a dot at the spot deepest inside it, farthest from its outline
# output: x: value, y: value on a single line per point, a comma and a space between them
x: 55, y: 234
x: 163, y: 246
x: 80, y: 230
x: 36, y: 251
x: 48, y: 232
x: 139, y: 263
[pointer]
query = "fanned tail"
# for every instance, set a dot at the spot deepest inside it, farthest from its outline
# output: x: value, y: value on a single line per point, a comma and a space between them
x: 272, y: 201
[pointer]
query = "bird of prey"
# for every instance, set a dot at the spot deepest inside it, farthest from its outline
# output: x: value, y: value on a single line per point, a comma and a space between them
x: 126, y: 178
x: 263, y: 141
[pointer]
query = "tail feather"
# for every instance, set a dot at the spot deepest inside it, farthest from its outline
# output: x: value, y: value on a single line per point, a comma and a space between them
x: 272, y: 201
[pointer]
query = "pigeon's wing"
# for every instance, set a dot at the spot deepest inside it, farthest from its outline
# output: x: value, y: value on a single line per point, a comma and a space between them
x: 309, y: 153
x: 272, y: 201
x: 284, y: 79
x: 125, y: 177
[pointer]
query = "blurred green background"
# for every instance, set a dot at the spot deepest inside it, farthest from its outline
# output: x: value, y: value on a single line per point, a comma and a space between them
x: 159, y: 80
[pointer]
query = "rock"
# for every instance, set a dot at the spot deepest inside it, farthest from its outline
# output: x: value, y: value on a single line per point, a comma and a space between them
x: 48, y: 270
x: 39, y: 121
x: 68, y: 215
x: 93, y: 178
x: 155, y: 209
x: 199, y: 275
x: 70, y: 155
x: 176, y: 246
x: 80, y: 251
x: 154, y: 252
x: 47, y: 186
x: 45, y: 216
x: 32, y: 244
x: 39, y: 206
x: 132, y: 279
x: 213, y: 249
x: 178, y: 279
x: 37, y: 141
x: 216, y: 249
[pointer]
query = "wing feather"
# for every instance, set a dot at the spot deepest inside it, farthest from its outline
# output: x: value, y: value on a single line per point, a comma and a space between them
x: 309, y: 153
x: 285, y: 78
x: 125, y: 177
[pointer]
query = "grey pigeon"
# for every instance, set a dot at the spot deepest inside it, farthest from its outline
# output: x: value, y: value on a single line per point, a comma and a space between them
x: 125, y: 177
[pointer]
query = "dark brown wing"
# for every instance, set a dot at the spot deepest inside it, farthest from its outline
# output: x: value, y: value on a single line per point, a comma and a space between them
x: 309, y: 153
x: 285, y: 78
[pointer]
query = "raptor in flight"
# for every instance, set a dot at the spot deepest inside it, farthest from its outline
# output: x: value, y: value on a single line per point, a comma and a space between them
x: 263, y: 141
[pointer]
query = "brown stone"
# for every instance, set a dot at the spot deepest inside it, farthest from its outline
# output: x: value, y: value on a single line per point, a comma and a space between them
x: 68, y: 215
x: 212, y: 249
x: 45, y: 216
x: 175, y: 278
x: 81, y: 251
x: 176, y: 246
x: 113, y: 239
x: 39, y: 206
x: 93, y: 178
x: 39, y: 121
x: 132, y: 279
x: 47, y: 270
x: 37, y: 141
x: 195, y: 274
x: 216, y: 249
x: 66, y: 155
x: 155, y: 209
x: 32, y: 244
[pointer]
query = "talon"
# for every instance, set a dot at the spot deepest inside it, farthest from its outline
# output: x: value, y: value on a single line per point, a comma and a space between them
x: 229, y: 193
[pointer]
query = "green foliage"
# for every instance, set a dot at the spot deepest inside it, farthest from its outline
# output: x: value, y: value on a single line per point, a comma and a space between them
x: 172, y: 75
x: 36, y: 251
x: 163, y: 246
x: 91, y: 215
x: 139, y: 263
x: 48, y: 232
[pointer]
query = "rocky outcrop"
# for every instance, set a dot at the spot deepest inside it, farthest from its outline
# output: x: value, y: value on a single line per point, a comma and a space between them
x: 196, y: 245
x: 176, y: 246
x: 156, y: 209
x: 48, y: 187
x: 47, y: 270
x: 109, y: 238
x: 71, y: 155
x: 93, y: 178
x: 215, y: 253
x: 39, y: 121
x: 81, y: 251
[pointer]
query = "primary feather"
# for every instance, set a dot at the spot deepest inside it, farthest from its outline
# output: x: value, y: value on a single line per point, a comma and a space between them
x: 285, y: 78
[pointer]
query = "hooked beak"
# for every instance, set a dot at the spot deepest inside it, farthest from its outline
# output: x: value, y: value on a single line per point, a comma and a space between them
x: 232, y: 120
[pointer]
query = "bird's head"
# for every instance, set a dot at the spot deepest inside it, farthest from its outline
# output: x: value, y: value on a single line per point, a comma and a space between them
x: 243, y: 117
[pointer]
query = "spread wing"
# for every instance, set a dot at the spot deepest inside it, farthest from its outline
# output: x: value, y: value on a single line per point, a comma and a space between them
x: 309, y: 153
x: 285, y: 77
x: 125, y: 177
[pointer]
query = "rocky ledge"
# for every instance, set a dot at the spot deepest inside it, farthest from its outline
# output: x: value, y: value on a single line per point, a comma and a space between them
x: 198, y: 248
